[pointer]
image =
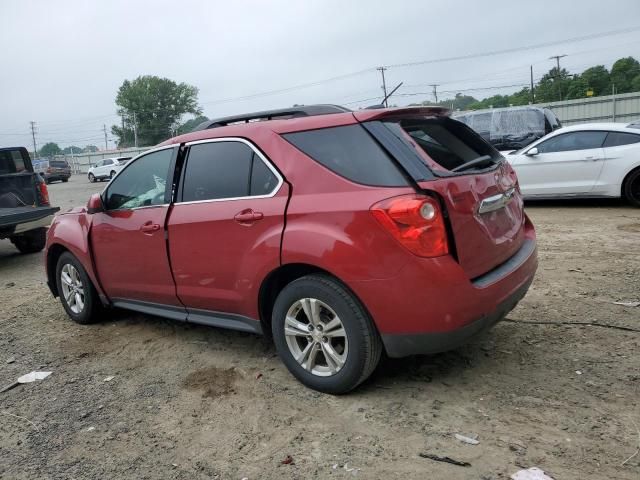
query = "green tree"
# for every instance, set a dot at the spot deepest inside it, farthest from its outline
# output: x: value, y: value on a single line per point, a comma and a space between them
x: 623, y: 72
x: 635, y: 84
x: 189, y: 125
x: 156, y: 104
x: 50, y: 149
x: 597, y: 79
x: 90, y: 149
x: 71, y: 150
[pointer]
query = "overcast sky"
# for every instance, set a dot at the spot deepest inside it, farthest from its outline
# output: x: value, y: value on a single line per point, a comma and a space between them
x: 63, y: 61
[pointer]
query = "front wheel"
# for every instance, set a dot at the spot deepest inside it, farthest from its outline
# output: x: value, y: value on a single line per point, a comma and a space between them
x: 77, y: 294
x: 32, y: 241
x: 632, y: 188
x: 92, y: 178
x: 324, y: 336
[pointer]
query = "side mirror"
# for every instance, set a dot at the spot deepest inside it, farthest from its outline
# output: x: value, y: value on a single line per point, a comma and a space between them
x: 95, y: 205
x: 532, y: 152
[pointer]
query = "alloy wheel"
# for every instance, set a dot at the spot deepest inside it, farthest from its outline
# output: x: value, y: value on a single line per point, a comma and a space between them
x: 72, y: 288
x: 316, y: 337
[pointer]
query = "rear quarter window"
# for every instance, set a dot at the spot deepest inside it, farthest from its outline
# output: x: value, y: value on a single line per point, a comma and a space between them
x: 350, y: 152
x: 616, y: 139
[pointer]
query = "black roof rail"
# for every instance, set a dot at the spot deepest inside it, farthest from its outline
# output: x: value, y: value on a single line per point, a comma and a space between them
x: 281, y: 113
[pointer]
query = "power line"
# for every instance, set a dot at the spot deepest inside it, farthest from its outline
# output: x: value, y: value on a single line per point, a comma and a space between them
x: 517, y: 49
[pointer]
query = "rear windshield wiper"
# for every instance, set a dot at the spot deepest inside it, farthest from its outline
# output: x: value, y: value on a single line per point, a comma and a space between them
x: 478, y: 161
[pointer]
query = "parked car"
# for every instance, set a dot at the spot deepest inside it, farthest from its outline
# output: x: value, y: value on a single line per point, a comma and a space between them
x: 589, y: 160
x: 342, y: 234
x: 25, y: 211
x: 511, y: 128
x: 106, y: 169
x: 56, y: 170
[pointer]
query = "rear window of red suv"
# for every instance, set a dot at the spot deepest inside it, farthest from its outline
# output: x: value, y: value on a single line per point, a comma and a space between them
x: 351, y: 152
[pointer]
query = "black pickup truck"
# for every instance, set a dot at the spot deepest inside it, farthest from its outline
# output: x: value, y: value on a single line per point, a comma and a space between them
x: 25, y: 211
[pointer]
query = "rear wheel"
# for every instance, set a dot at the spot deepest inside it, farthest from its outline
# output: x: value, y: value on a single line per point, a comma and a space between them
x: 65, y: 180
x: 112, y: 174
x: 632, y: 188
x: 32, y: 241
x: 92, y: 178
x: 324, y: 336
x: 77, y: 294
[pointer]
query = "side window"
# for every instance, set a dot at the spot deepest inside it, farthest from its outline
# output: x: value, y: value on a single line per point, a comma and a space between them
x: 226, y: 169
x: 108, y: 162
x: 615, y: 139
x: 350, y: 152
x: 141, y: 184
x: 572, y: 141
x: 263, y: 181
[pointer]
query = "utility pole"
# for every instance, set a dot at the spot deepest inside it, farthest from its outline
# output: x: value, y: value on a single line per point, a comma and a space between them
x: 384, y: 84
x: 533, y: 95
x: 135, y: 129
x: 33, y: 135
x: 435, y: 91
x: 558, y: 57
x: 104, y: 129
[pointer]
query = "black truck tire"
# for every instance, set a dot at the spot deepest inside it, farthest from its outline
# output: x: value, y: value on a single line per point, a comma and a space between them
x: 32, y: 241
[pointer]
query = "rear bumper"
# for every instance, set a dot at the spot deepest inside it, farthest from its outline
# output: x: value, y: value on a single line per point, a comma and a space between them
x: 427, y: 343
x: 432, y: 306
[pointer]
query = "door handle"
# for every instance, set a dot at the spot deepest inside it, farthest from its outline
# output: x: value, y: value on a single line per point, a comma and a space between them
x: 149, y: 227
x: 248, y: 216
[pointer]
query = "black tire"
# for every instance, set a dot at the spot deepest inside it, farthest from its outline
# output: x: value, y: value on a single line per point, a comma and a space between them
x: 93, y: 307
x: 111, y: 175
x: 92, y: 178
x: 65, y: 180
x: 32, y: 241
x: 631, y: 188
x: 364, y: 344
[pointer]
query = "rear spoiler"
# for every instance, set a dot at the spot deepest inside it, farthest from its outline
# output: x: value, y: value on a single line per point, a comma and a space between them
x: 406, y: 112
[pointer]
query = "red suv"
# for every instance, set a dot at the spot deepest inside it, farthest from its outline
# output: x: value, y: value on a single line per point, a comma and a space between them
x: 341, y: 233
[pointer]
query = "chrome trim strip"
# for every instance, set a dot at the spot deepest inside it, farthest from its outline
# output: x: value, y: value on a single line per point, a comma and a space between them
x: 496, y: 202
x: 41, y: 222
x: 275, y: 190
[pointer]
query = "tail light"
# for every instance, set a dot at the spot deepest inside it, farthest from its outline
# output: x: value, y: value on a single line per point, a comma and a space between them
x: 43, y: 194
x: 416, y: 221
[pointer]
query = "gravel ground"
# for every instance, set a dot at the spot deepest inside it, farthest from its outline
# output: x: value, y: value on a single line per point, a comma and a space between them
x: 189, y: 402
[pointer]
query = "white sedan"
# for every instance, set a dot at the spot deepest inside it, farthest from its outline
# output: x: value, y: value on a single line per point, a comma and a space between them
x: 588, y: 160
x: 107, y: 168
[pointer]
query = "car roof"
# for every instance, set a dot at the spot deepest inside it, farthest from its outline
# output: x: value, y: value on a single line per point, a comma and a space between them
x: 309, y: 122
x: 608, y: 126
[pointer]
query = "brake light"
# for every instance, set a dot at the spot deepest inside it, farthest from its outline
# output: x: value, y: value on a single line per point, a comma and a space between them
x: 44, y: 194
x: 416, y: 221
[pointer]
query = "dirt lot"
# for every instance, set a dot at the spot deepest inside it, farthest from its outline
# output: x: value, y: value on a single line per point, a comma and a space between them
x: 192, y: 402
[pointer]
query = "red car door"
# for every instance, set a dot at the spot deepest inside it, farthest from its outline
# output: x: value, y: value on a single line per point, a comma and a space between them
x: 129, y: 238
x: 226, y: 228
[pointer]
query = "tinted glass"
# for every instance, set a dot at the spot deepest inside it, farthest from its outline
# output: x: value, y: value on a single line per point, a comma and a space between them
x: 572, y: 141
x: 263, y: 181
x: 59, y: 164
x: 615, y: 139
x: 448, y: 142
x: 11, y: 161
x: 350, y: 152
x: 141, y: 184
x: 217, y: 170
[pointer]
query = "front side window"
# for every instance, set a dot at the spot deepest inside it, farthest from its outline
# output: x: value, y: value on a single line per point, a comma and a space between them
x: 141, y: 184
x: 616, y: 139
x: 226, y: 169
x: 572, y: 141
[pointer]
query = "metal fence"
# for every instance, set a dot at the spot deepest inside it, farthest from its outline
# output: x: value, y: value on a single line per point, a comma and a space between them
x: 81, y: 163
x: 621, y: 108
